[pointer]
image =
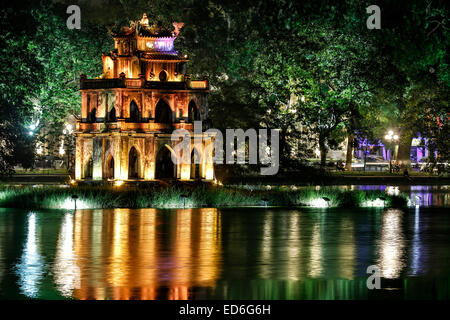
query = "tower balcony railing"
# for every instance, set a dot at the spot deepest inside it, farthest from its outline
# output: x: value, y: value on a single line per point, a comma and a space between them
x: 198, y: 84
x: 122, y: 126
x: 133, y: 83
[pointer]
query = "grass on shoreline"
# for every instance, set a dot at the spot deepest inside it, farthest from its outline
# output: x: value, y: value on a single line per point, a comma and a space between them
x: 93, y: 197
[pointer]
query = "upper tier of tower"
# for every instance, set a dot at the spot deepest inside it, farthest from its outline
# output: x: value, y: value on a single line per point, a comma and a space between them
x: 145, y: 51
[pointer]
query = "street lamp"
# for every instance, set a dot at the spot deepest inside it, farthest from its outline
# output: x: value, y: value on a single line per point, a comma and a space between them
x: 391, y: 137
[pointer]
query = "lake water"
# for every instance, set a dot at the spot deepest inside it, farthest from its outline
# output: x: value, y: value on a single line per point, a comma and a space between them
x: 252, y: 253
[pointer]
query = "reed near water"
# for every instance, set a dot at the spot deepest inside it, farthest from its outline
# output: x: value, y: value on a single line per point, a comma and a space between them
x: 92, y: 197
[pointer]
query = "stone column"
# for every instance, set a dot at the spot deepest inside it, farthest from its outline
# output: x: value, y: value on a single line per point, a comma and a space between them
x: 78, y: 157
x: 149, y: 158
x: 116, y: 152
x: 208, y: 162
x: 84, y: 105
x: 123, y: 146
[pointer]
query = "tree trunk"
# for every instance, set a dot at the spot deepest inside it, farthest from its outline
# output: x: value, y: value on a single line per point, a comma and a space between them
x: 404, y: 151
x: 349, y: 158
x: 284, y: 152
x: 323, y: 151
x: 365, y: 157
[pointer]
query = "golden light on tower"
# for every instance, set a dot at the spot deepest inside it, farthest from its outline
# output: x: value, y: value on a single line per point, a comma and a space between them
x: 128, y: 113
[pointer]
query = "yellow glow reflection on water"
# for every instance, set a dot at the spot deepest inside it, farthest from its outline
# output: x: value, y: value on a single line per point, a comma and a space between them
x: 121, y: 255
x: 65, y: 270
x: 182, y: 256
x: 118, y: 261
x: 391, y: 244
x: 146, y: 276
x: 209, y: 248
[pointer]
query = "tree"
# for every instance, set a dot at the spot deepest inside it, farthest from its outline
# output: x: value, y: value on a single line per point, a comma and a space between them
x: 64, y: 55
x: 415, y: 39
x: 19, y: 84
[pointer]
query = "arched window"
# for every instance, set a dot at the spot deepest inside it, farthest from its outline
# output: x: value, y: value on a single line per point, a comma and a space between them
x: 112, y: 115
x: 109, y: 168
x: 134, y: 112
x: 163, y: 76
x: 163, y: 113
x: 133, y: 164
x: 193, y: 112
x: 165, y: 168
x: 92, y: 117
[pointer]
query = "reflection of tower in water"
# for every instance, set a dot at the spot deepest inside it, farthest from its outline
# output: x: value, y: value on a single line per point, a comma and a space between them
x: 122, y: 254
x: 197, y: 251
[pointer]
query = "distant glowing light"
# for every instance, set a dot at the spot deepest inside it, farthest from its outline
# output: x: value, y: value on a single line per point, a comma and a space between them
x: 118, y: 183
x: 317, y: 152
x: 392, y: 191
x: 319, y: 203
x: 374, y: 203
x: 68, y: 129
x: 69, y: 204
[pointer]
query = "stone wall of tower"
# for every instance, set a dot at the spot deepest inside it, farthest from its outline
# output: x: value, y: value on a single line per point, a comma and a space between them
x: 103, y: 100
x: 94, y: 152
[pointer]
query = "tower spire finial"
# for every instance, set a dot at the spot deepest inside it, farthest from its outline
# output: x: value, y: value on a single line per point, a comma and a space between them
x: 144, y: 20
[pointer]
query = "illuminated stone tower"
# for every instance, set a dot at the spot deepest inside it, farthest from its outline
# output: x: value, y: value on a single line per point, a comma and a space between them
x: 130, y: 111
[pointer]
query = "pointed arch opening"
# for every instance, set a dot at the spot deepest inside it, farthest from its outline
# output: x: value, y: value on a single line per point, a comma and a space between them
x: 92, y: 117
x: 195, y: 164
x: 133, y: 164
x: 109, y: 168
x: 163, y: 76
x: 112, y: 115
x: 163, y: 113
x: 193, y: 113
x: 165, y: 168
x: 134, y: 112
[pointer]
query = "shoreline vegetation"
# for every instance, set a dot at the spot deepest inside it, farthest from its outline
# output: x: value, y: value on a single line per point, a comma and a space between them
x: 197, y: 196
